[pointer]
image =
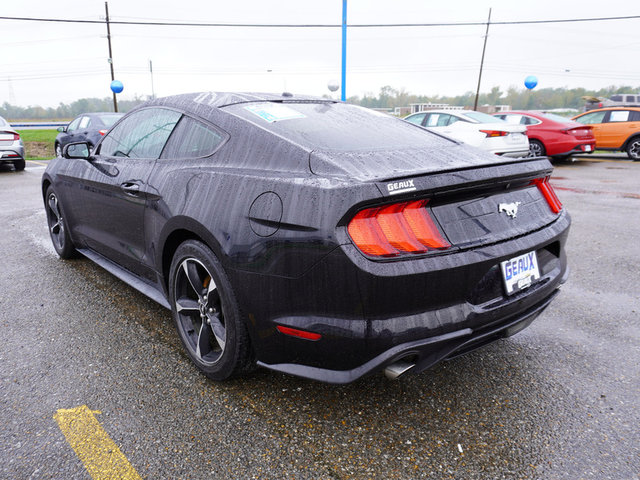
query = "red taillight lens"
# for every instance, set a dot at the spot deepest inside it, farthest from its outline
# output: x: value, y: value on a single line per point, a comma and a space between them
x: 495, y: 133
x: 102, y: 132
x: 547, y: 192
x: 396, y: 229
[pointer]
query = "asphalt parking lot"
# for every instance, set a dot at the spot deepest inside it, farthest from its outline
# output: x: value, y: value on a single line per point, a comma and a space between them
x: 557, y: 401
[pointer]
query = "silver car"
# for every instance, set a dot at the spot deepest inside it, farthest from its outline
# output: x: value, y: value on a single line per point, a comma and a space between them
x: 11, y: 146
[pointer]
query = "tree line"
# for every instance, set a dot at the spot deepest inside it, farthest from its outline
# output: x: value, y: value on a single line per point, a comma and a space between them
x: 389, y: 97
x: 66, y: 111
x: 518, y: 99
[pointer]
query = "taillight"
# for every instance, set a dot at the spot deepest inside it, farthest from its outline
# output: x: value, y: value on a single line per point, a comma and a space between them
x: 396, y: 229
x: 9, y: 136
x: 102, y: 132
x: 547, y: 192
x: 495, y: 133
x: 579, y: 132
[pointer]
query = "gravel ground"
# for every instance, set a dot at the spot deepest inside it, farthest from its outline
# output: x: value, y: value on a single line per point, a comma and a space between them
x: 557, y: 401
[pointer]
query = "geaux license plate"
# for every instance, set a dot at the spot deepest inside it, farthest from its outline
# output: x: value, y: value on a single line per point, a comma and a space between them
x: 520, y: 272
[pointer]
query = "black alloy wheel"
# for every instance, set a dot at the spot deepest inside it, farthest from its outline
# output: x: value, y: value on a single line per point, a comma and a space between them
x: 206, y: 313
x: 536, y: 149
x: 633, y: 149
x: 57, y: 226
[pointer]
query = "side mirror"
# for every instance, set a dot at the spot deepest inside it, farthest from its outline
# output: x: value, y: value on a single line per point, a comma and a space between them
x: 78, y: 150
x: 62, y: 129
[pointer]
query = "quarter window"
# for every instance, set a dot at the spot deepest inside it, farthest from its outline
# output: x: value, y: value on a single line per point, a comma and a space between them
x: 192, y: 139
x: 142, y: 134
x: 84, y: 122
x: 619, y: 116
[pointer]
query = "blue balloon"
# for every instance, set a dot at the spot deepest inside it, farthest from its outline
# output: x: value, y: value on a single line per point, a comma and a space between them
x: 531, y: 81
x: 117, y: 86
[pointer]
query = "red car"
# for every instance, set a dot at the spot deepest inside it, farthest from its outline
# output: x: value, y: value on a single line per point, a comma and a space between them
x: 552, y: 135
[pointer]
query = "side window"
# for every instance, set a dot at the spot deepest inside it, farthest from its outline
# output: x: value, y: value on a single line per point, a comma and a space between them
x: 73, y: 126
x: 635, y: 116
x: 84, y: 123
x: 619, y: 116
x: 192, y: 139
x: 437, y: 120
x: 591, y: 118
x: 141, y: 134
x: 417, y: 119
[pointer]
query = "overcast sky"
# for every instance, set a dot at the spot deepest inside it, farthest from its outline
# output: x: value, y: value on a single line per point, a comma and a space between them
x: 48, y: 63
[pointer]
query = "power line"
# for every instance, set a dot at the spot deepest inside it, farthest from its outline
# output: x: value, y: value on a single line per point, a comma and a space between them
x: 319, y: 25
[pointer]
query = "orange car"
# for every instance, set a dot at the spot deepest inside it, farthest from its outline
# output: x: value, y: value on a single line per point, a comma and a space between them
x: 615, y: 128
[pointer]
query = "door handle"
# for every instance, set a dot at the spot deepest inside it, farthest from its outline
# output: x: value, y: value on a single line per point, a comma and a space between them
x: 130, y: 188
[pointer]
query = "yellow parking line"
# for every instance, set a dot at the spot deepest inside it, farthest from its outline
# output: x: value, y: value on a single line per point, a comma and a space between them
x: 39, y: 163
x: 101, y: 457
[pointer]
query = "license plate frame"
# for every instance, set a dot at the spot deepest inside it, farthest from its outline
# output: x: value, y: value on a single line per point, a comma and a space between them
x: 520, y: 272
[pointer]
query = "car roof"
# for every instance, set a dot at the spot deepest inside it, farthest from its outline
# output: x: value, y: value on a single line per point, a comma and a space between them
x: 606, y: 109
x: 223, y: 99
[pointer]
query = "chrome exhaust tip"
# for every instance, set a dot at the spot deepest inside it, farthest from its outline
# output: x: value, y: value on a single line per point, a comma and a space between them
x: 398, y: 368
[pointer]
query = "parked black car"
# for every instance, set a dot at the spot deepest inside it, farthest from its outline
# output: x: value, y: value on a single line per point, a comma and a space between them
x: 88, y: 127
x: 309, y: 236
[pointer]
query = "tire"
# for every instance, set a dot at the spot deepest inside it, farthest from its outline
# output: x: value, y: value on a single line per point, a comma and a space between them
x: 206, y: 313
x: 536, y: 149
x: 58, y: 226
x: 19, y: 165
x: 58, y: 150
x: 633, y: 149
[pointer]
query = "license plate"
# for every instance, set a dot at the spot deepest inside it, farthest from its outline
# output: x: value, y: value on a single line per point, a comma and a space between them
x: 520, y: 272
x: 587, y: 148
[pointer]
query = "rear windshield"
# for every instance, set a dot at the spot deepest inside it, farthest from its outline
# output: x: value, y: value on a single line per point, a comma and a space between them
x: 109, y: 119
x: 334, y: 126
x: 482, y: 117
x: 556, y: 118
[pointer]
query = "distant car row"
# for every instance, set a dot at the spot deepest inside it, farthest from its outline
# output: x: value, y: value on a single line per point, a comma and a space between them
x: 11, y: 146
x: 531, y: 133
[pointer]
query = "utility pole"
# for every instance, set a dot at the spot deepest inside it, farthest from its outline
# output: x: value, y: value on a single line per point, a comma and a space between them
x: 106, y: 9
x: 153, y: 93
x: 343, y: 94
x: 486, y: 35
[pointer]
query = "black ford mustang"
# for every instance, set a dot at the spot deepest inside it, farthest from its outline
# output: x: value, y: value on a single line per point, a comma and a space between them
x: 311, y: 237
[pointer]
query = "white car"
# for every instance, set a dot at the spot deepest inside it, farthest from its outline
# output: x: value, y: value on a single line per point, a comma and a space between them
x: 477, y: 129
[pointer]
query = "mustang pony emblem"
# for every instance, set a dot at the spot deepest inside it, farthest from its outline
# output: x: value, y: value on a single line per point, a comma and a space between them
x: 510, y: 209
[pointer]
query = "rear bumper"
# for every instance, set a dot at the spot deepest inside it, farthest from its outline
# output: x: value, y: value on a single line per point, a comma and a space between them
x: 424, y: 353
x: 513, y: 154
x: 375, y: 314
x: 10, y: 155
x: 582, y: 148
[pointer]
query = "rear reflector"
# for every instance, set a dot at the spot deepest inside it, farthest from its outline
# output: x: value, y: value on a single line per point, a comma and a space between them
x: 547, y: 192
x: 396, y: 229
x: 495, y: 133
x: 294, y: 332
